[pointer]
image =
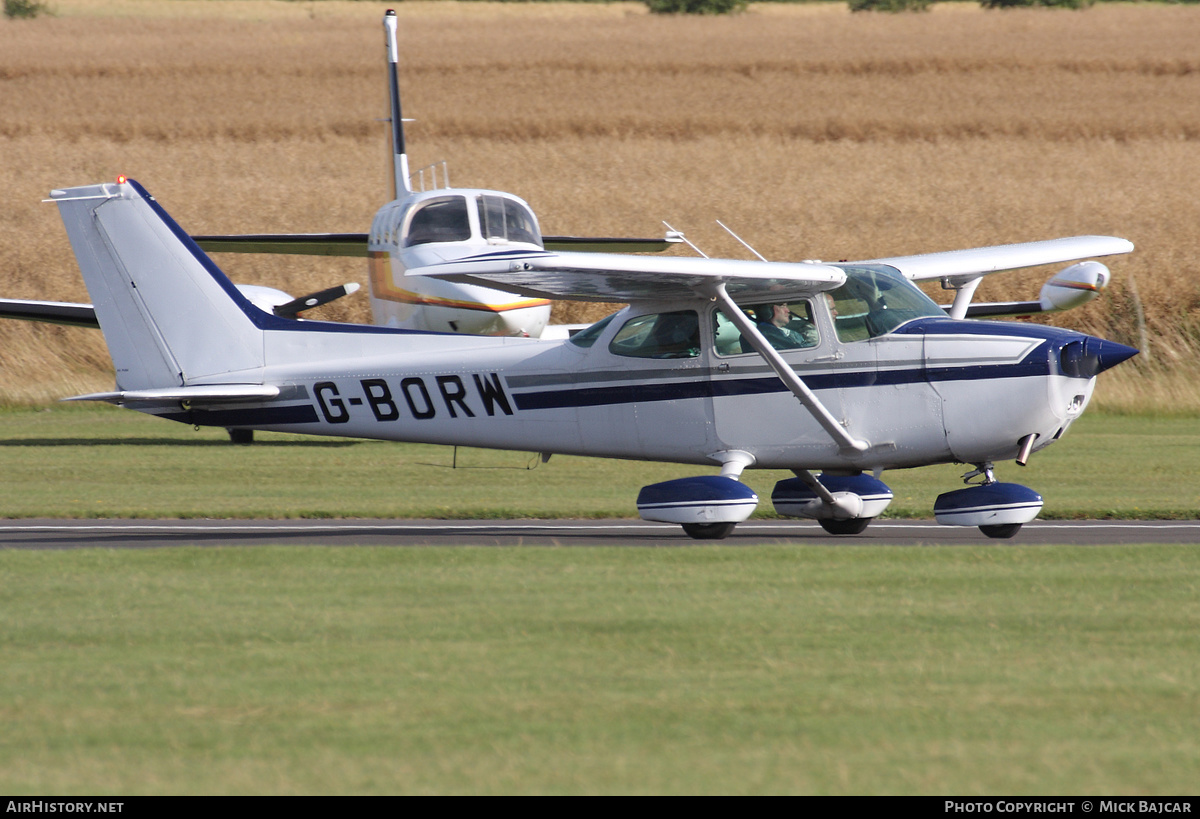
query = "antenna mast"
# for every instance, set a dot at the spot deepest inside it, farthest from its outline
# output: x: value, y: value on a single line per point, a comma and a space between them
x: 399, y: 155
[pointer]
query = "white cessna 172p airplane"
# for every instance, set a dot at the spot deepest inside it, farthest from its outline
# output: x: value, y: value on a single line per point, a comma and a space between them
x: 845, y: 368
x: 878, y: 377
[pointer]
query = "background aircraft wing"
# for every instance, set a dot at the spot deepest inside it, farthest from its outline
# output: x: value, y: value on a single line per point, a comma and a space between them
x: 355, y: 244
x: 301, y: 244
x: 51, y: 312
x: 956, y: 264
x: 611, y: 277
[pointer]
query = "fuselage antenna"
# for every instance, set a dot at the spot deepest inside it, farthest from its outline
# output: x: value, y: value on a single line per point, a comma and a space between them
x: 685, y: 240
x: 401, y: 182
x: 745, y: 244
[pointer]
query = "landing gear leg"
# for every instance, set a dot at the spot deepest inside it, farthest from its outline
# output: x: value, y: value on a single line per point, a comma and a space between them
x: 708, y: 531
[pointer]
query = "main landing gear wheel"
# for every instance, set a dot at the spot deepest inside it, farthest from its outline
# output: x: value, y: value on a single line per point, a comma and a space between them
x: 1001, y: 529
x: 850, y: 526
x: 708, y: 531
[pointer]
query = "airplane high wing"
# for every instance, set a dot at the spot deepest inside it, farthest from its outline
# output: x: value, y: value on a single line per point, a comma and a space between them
x: 607, y: 277
x: 979, y: 261
x: 962, y: 270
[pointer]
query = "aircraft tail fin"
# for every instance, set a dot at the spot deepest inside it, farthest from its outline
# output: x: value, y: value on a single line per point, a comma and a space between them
x: 399, y: 153
x: 168, y: 314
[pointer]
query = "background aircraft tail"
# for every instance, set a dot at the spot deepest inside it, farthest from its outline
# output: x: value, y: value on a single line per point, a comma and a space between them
x: 168, y: 314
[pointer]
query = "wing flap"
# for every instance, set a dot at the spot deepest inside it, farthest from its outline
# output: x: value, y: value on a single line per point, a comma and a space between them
x: 610, y: 277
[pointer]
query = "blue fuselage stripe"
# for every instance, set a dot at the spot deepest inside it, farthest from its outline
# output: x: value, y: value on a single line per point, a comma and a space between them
x: 1033, y: 365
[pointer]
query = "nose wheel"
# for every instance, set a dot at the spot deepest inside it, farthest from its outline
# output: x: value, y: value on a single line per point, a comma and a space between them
x: 708, y: 531
x: 998, y: 509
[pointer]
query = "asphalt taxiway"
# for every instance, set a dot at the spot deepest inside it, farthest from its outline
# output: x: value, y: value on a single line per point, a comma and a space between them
x: 68, y: 534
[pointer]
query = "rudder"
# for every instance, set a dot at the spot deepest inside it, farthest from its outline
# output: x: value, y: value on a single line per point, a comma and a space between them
x: 168, y: 314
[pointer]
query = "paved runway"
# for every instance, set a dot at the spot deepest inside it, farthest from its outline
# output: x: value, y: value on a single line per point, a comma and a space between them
x: 68, y: 534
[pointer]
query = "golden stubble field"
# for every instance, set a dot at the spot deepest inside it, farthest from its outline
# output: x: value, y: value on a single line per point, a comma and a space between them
x: 812, y: 132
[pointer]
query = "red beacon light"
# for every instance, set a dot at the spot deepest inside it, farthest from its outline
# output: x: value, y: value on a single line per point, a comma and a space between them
x: 121, y: 179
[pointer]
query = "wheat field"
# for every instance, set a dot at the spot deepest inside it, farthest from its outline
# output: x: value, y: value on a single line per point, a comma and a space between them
x: 811, y: 131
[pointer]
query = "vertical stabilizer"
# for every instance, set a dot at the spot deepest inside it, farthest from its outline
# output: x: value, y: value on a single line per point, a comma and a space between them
x: 399, y: 153
x: 168, y: 314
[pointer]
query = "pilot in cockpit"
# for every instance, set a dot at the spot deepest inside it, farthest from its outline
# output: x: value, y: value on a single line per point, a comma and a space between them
x: 784, y: 329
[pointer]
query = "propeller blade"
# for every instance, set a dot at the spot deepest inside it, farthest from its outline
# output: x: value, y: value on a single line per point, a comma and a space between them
x: 292, y: 308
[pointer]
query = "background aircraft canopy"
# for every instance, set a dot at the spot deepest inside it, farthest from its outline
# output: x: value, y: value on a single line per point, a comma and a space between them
x: 448, y: 218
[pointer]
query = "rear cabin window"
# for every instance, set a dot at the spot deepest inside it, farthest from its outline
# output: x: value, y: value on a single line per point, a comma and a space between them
x: 659, y: 335
x: 439, y: 220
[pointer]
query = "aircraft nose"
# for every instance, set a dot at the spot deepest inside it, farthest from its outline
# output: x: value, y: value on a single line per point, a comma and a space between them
x: 1089, y: 356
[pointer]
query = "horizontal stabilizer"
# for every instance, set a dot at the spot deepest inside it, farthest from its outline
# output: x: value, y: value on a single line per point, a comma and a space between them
x: 50, y: 312
x: 204, y: 394
x: 355, y: 244
x: 608, y: 277
x: 963, y: 264
x: 299, y: 244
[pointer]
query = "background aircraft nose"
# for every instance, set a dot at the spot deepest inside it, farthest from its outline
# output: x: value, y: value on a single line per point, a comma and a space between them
x: 1089, y: 356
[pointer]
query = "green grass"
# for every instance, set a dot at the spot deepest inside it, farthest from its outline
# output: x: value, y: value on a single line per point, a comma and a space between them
x: 105, y: 462
x: 713, y: 669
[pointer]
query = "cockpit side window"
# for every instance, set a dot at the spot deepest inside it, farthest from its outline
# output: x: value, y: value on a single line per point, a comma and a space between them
x: 443, y: 219
x: 875, y: 300
x: 505, y: 219
x: 659, y: 335
x: 785, y: 325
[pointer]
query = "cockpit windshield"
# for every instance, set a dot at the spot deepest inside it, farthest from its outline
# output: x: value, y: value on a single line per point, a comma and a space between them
x: 448, y: 219
x: 443, y: 219
x: 587, y: 336
x: 875, y: 300
x: 505, y: 219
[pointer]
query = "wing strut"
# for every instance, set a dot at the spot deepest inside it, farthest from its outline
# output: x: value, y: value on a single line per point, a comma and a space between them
x: 964, y: 292
x: 786, y: 374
